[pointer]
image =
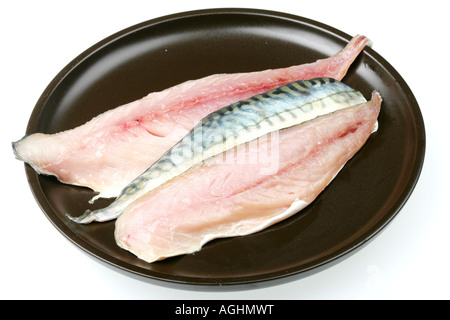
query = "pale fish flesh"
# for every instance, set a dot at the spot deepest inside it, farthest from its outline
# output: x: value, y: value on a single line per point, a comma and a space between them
x: 238, y: 123
x: 221, y: 198
x: 112, y: 149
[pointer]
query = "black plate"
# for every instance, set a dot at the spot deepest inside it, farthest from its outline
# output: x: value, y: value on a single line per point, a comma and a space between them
x: 157, y: 54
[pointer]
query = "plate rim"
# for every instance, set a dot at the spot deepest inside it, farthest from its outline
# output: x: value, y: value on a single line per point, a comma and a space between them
x: 266, y: 278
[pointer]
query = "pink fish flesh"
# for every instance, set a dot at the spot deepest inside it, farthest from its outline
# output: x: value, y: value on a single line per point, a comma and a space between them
x: 248, y: 189
x: 112, y: 149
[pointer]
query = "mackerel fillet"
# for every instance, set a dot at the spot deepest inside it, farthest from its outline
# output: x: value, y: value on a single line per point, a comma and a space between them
x: 112, y: 149
x: 238, y: 123
x: 247, y: 188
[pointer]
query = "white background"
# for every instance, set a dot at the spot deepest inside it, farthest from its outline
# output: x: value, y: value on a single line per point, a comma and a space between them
x: 410, y: 259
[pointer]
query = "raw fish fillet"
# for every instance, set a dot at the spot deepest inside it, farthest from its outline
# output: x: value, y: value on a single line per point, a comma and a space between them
x: 231, y: 194
x: 112, y: 149
x: 238, y: 123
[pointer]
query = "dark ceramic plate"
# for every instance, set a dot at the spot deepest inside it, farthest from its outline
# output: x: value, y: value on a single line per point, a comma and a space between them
x: 154, y: 55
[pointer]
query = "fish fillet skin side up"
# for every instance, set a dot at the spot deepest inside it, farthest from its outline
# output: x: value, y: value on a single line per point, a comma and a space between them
x: 108, y: 152
x: 238, y: 123
x: 246, y: 189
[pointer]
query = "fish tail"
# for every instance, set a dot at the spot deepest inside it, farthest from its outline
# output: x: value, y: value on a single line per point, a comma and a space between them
x: 85, y: 218
x: 359, y: 42
x: 349, y: 54
x: 101, y: 215
x: 355, y: 46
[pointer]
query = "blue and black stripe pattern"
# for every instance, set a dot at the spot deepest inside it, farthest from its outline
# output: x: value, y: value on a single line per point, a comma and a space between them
x: 286, y: 104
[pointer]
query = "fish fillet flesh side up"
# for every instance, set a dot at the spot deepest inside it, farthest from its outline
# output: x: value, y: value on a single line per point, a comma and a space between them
x: 112, y: 149
x: 246, y: 189
x: 238, y: 123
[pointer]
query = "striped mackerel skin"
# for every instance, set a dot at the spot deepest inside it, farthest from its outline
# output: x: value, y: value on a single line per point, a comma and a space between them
x: 238, y: 123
